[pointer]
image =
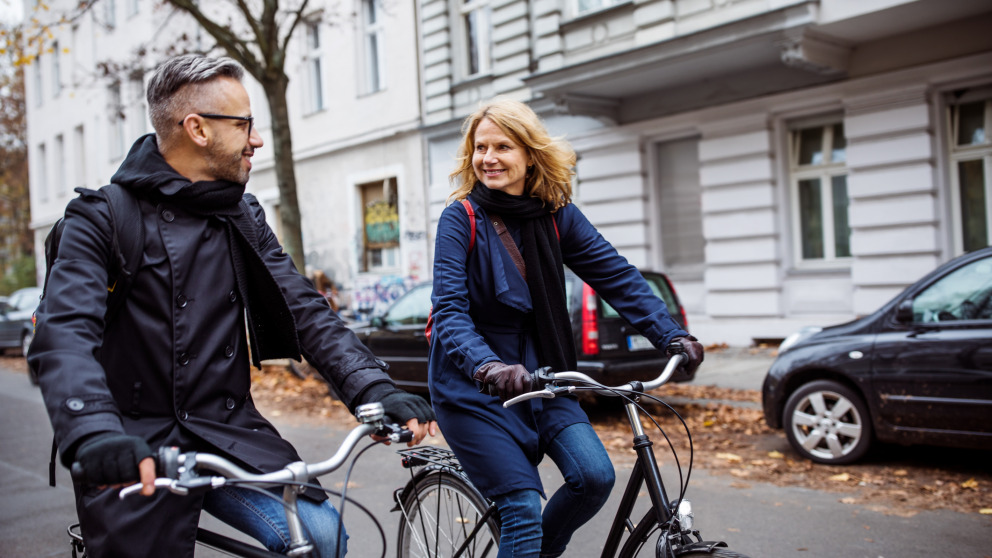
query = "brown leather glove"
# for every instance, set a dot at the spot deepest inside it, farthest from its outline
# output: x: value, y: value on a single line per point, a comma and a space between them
x: 693, y: 352
x: 505, y: 380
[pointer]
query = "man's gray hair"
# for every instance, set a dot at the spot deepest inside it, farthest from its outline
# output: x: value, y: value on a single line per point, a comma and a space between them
x: 165, y: 99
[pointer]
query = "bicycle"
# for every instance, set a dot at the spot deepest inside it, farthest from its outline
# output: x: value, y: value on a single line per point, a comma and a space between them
x: 184, y: 473
x: 443, y: 515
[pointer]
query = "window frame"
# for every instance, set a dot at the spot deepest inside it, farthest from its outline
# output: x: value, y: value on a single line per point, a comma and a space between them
x: 957, y: 154
x: 484, y: 60
x: 315, y: 92
x: 390, y: 253
x: 824, y: 172
x: 372, y: 48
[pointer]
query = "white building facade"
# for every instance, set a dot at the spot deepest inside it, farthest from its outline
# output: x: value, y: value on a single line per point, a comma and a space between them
x: 354, y: 111
x: 785, y: 162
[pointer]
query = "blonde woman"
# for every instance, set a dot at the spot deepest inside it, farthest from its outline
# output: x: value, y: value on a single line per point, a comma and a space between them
x: 500, y: 312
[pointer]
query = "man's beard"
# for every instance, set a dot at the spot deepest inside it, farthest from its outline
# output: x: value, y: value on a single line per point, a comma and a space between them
x: 226, y: 166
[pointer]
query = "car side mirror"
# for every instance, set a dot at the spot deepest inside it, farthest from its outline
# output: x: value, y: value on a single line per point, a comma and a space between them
x: 377, y: 321
x: 904, y: 311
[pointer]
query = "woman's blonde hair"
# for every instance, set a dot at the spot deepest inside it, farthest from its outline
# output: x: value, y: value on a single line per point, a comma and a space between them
x: 549, y: 178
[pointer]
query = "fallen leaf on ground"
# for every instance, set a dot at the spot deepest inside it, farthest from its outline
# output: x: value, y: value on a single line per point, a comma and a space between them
x: 843, y: 477
x: 729, y: 457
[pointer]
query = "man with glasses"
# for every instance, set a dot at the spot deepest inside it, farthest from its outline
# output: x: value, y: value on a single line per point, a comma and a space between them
x: 171, y: 368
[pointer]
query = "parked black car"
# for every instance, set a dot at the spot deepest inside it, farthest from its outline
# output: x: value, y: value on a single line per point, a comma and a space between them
x: 609, y: 349
x: 16, y: 327
x: 916, y: 371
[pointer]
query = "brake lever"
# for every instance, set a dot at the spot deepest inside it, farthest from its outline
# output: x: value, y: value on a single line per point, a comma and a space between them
x: 549, y: 392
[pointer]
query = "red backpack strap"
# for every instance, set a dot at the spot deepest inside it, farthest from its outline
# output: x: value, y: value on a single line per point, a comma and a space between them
x: 555, y: 221
x: 471, y: 223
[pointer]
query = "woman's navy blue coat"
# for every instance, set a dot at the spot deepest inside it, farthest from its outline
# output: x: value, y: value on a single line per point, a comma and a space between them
x: 482, y: 312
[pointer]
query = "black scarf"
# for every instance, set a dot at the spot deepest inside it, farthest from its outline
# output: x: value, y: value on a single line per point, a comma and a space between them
x: 272, y: 326
x: 545, y: 272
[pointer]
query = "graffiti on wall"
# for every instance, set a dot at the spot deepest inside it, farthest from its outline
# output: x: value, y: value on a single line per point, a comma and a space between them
x: 373, y: 295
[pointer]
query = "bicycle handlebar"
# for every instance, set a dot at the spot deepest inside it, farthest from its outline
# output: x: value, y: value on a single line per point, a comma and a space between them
x: 549, y: 388
x: 176, y: 470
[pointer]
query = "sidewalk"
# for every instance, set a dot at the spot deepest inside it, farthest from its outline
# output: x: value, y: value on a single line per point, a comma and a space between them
x: 735, y: 367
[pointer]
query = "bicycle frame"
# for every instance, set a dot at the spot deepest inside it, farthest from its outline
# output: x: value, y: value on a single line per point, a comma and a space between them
x: 645, y: 471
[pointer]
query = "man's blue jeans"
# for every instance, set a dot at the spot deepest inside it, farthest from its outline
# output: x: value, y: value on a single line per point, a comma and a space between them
x: 264, y: 519
x: 589, y: 479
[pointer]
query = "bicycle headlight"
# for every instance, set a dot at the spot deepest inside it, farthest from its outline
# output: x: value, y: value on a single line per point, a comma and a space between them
x: 684, y: 515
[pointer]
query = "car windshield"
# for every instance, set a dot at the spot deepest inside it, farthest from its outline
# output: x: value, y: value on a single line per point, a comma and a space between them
x: 412, y: 308
x: 964, y: 294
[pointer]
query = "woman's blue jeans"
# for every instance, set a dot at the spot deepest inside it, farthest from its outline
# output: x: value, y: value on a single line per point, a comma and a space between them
x: 589, y: 479
x: 264, y: 519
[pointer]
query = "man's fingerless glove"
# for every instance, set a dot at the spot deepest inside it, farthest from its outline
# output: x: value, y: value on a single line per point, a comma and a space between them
x: 111, y: 458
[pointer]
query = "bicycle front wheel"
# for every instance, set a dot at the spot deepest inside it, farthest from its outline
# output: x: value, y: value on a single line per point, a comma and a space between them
x: 643, y: 543
x: 445, y: 517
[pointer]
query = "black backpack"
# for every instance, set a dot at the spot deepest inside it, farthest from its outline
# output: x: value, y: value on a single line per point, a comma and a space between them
x: 127, y: 243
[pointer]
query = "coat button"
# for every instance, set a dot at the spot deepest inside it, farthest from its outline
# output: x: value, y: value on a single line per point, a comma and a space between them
x: 182, y: 301
x: 75, y: 404
x: 183, y: 415
x: 183, y: 359
x: 232, y: 296
x: 229, y: 404
x: 168, y: 216
x: 229, y: 351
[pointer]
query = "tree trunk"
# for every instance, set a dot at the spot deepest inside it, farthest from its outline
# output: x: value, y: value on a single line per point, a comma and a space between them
x: 282, y: 147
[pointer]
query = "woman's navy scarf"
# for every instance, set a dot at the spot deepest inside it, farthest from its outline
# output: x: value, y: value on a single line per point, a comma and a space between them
x: 545, y: 271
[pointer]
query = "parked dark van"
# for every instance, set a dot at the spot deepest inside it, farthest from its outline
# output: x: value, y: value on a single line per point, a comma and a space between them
x: 608, y: 348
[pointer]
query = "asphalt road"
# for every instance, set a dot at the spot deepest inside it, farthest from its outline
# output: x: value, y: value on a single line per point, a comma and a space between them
x: 762, y: 521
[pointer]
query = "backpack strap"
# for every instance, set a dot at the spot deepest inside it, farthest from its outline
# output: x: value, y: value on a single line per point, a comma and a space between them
x: 509, y: 244
x: 127, y: 244
x: 471, y: 223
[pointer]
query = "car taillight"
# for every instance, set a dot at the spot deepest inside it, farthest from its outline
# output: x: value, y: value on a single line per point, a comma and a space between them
x: 590, y: 326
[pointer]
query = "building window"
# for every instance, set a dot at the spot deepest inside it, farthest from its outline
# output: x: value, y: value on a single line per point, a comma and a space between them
x: 133, y: 7
x: 818, y: 181
x: 136, y: 105
x: 372, y: 47
x: 476, y: 23
x: 79, y: 149
x: 680, y: 206
x: 971, y: 166
x: 586, y: 6
x: 110, y: 14
x: 42, y: 174
x: 380, y: 225
x: 312, y: 61
x: 56, y: 69
x: 60, y: 182
x: 115, y: 115
x: 38, y: 95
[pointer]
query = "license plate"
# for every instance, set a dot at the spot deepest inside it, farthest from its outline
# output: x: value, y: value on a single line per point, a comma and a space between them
x: 638, y: 343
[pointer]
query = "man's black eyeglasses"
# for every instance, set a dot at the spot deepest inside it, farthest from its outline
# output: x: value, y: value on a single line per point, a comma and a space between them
x: 249, y: 119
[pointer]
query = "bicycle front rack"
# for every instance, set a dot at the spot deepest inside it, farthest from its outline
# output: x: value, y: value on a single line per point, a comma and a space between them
x: 424, y: 455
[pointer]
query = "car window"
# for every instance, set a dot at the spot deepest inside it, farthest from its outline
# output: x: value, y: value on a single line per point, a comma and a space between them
x: 660, y: 289
x: 412, y: 308
x: 963, y: 294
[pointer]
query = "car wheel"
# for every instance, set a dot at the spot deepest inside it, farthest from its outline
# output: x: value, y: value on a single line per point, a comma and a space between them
x: 828, y: 422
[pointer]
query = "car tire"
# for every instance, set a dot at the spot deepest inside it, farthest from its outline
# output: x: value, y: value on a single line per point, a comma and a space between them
x: 828, y: 422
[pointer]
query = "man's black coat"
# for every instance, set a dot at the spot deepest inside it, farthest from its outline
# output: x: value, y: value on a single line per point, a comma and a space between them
x: 173, y: 365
